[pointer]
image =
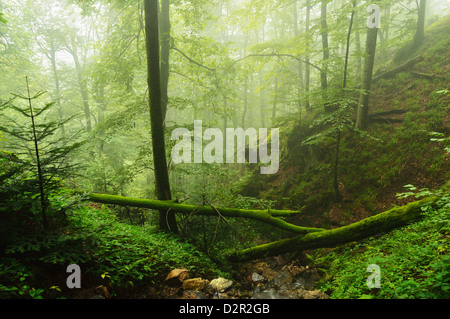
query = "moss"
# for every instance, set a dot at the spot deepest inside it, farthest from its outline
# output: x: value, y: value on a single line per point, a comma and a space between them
x: 383, y: 222
x: 269, y: 216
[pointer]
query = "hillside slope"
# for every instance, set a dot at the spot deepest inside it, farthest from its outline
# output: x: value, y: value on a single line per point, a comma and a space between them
x: 372, y: 169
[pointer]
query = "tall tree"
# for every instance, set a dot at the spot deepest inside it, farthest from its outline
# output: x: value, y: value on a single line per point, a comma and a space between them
x: 307, y: 68
x: 366, y: 79
x: 325, y: 53
x: 299, y: 63
x: 165, y: 53
x: 347, y: 49
x: 73, y: 50
x: 167, y: 219
x: 420, y: 31
x: 50, y: 53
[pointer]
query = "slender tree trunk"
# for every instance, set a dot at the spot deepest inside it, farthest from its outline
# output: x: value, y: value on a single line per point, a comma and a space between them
x: 38, y: 163
x: 337, y: 193
x: 57, y: 83
x: 386, y: 25
x: 245, y: 102
x: 245, y: 85
x: 275, y: 100
x: 420, y: 32
x: 307, y: 67
x: 166, y: 218
x: 299, y: 63
x: 82, y: 84
x: 358, y: 57
x: 325, y: 54
x: 344, y: 84
x: 369, y: 61
x: 165, y: 50
x: 101, y: 102
x: 384, y: 36
x: 261, y: 100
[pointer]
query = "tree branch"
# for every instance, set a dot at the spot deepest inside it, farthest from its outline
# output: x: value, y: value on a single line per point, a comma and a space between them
x: 191, y: 60
x: 277, y: 55
x: 268, y: 216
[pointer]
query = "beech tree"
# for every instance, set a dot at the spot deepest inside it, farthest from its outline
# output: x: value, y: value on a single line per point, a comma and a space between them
x: 420, y: 31
x: 165, y: 53
x: 366, y: 78
x: 166, y: 219
x: 325, y: 52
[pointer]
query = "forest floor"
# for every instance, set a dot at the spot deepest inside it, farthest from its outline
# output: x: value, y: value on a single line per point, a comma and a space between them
x: 127, y: 261
x: 268, y: 278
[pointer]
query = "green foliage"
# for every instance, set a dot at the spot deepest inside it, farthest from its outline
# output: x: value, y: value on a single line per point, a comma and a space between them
x: 110, y: 252
x: 133, y: 253
x: 413, y: 261
x: 40, y: 158
x: 13, y: 281
x: 331, y: 123
x: 2, y: 20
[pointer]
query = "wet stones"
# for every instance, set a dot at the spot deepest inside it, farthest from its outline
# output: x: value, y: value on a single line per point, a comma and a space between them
x: 180, y: 286
x: 221, y: 284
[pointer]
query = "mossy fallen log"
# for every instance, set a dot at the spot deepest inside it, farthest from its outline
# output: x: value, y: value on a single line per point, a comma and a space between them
x: 381, y: 223
x: 269, y: 216
x: 402, y: 67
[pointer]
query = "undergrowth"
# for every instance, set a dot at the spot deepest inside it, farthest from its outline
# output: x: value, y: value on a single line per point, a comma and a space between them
x: 109, y: 252
x: 413, y: 261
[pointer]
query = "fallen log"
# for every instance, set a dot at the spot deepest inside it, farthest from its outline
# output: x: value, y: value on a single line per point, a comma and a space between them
x: 385, y: 120
x: 379, y: 116
x: 425, y: 75
x: 390, y: 112
x: 380, y: 223
x: 400, y: 68
x: 269, y: 216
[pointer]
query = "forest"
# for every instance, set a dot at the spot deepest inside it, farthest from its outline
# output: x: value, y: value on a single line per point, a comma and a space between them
x: 224, y: 149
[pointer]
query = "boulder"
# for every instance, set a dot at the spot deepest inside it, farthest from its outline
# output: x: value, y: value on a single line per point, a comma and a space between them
x: 257, y: 277
x: 189, y: 294
x: 313, y: 294
x: 177, y: 276
x: 195, y: 284
x: 221, y: 284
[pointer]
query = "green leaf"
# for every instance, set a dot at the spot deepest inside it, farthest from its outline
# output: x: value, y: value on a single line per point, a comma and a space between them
x: 365, y: 296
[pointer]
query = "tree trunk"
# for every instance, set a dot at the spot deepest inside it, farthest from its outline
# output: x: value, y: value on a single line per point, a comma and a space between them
x: 347, y: 49
x: 307, y: 67
x: 337, y: 193
x: 358, y: 57
x: 245, y: 86
x: 267, y: 216
x: 261, y: 100
x: 57, y: 83
x: 420, y: 31
x: 381, y: 223
x: 275, y: 100
x: 43, y: 197
x: 165, y: 50
x: 366, y: 80
x: 299, y: 67
x: 325, y: 53
x: 245, y: 102
x: 82, y: 84
x: 166, y: 221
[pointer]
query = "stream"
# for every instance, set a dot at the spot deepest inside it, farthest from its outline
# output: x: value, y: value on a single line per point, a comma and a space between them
x: 263, y: 279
